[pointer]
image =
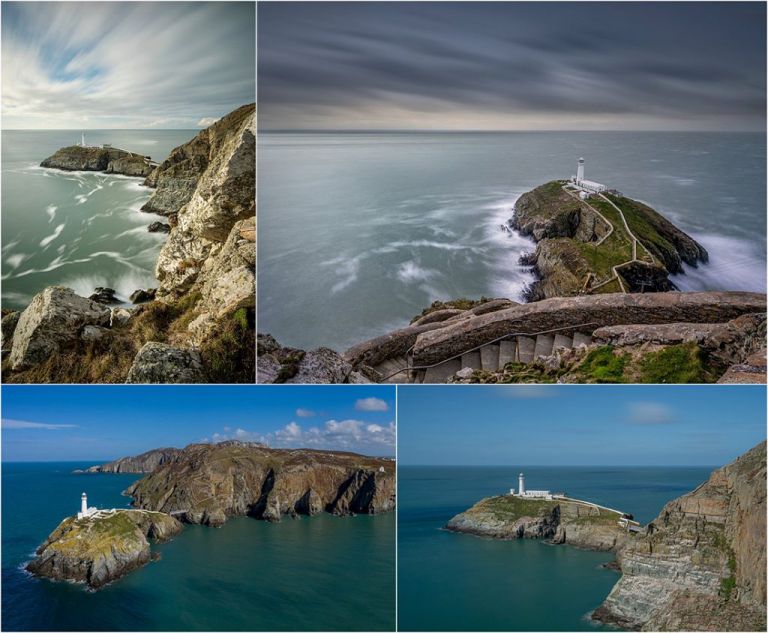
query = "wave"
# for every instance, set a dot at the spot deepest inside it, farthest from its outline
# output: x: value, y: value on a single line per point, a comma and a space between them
x: 56, y: 232
x: 411, y: 271
x: 51, y: 211
x: 14, y: 261
x: 123, y: 284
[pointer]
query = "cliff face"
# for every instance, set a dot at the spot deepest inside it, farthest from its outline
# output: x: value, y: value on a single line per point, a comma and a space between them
x: 566, y: 522
x: 206, y: 483
x: 109, y: 160
x: 701, y: 563
x: 99, y: 549
x: 583, y: 244
x: 144, y: 463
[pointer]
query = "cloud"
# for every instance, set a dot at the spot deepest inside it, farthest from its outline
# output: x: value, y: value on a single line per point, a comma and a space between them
x: 305, y: 413
x: 20, y: 424
x: 206, y: 121
x: 371, y: 404
x: 525, y: 391
x: 649, y: 413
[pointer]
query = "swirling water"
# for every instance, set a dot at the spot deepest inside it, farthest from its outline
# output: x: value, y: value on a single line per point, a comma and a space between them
x: 458, y: 582
x: 359, y: 232
x: 319, y: 573
x: 77, y: 229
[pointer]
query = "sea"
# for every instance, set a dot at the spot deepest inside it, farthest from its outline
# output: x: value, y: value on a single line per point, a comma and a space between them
x: 358, y: 232
x: 77, y: 229
x: 315, y: 574
x: 457, y: 582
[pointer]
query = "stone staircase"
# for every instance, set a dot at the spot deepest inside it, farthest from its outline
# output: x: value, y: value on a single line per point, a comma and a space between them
x: 491, y: 357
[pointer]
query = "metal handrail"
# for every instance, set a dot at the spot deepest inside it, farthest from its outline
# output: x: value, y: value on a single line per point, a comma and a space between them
x: 409, y: 367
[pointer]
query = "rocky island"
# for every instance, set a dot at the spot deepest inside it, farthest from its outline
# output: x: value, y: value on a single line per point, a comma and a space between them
x: 109, y: 160
x: 199, y: 324
x: 103, y: 547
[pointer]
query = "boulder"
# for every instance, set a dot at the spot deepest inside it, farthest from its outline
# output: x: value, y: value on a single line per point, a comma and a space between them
x: 320, y: 366
x: 120, y: 316
x: 92, y: 333
x: 159, y: 227
x: 52, y: 321
x: 8, y: 327
x: 162, y: 363
x: 105, y: 296
x: 142, y: 296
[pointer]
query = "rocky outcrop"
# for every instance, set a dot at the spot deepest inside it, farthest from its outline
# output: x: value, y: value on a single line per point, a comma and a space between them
x: 558, y: 521
x: 99, y: 549
x: 109, y: 160
x: 700, y: 565
x: 206, y: 483
x: 162, y: 363
x: 749, y: 372
x: 53, y: 320
x: 144, y: 463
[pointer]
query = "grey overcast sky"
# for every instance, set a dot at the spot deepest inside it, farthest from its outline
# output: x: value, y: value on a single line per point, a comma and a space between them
x: 509, y: 65
x: 95, y: 65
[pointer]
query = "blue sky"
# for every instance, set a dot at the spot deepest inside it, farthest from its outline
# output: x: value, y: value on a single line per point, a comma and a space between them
x: 579, y: 425
x: 96, y: 65
x: 99, y: 423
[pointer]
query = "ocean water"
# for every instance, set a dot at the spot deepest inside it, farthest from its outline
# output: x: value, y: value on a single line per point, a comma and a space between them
x: 360, y: 232
x: 323, y: 573
x: 458, y: 582
x: 77, y: 229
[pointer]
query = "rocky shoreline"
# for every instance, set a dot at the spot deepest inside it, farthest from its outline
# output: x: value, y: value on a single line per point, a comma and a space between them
x: 198, y: 324
x: 109, y: 160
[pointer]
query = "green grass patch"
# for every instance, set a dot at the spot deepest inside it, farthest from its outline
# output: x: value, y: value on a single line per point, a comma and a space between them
x: 677, y: 364
x: 602, y: 365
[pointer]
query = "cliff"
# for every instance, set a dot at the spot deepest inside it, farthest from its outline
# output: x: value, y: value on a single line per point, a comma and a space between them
x: 144, y: 463
x: 206, y: 483
x: 604, y: 243
x: 108, y: 160
x: 199, y: 324
x: 99, y: 549
x: 558, y: 521
x: 701, y: 564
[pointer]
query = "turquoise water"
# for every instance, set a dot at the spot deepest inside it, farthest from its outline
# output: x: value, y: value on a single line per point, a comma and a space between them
x: 362, y: 231
x: 458, y: 582
x: 77, y: 229
x: 323, y: 573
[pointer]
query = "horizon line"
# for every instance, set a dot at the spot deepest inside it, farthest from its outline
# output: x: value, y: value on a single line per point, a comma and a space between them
x: 500, y: 131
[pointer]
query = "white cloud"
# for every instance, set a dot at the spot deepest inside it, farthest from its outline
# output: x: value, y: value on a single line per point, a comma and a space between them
x: 649, y: 413
x: 20, y: 424
x: 206, y: 121
x: 305, y: 413
x: 371, y: 404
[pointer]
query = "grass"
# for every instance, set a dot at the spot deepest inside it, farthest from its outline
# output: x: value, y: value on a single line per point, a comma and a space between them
x: 677, y: 364
x: 507, y: 507
x: 602, y: 365
x: 228, y: 356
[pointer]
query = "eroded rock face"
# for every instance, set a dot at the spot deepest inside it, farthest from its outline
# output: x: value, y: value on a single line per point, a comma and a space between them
x: 144, y: 463
x: 561, y: 522
x: 206, y: 483
x: 701, y: 563
x: 109, y: 160
x: 162, y: 363
x: 53, y: 320
x: 100, y: 549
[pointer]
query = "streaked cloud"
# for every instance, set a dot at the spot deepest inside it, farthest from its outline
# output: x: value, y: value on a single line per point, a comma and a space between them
x: 22, y: 424
x: 650, y: 413
x: 371, y: 404
x: 305, y: 413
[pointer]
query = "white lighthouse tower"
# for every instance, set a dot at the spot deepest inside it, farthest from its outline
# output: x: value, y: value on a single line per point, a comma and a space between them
x: 580, y: 170
x: 85, y: 511
x: 82, y: 140
x: 521, y: 485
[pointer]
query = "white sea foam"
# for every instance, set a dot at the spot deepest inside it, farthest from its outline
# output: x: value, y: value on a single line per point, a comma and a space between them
x: 51, y: 211
x: 14, y: 261
x: 411, y: 271
x: 123, y: 284
x: 56, y: 232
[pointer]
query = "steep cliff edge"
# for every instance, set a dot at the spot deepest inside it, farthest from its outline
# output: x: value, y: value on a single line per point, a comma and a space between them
x: 99, y: 549
x: 559, y: 521
x: 144, y: 463
x: 206, y: 483
x: 199, y: 325
x: 701, y: 564
x: 586, y: 245
x: 107, y: 159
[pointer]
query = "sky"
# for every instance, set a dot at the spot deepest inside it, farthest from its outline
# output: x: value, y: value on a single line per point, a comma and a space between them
x: 96, y: 65
x: 579, y: 425
x: 512, y: 66
x: 100, y: 423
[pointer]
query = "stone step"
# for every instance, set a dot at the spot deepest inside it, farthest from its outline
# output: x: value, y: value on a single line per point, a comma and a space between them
x: 489, y: 357
x: 471, y: 359
x: 562, y: 342
x: 390, y: 366
x: 442, y: 372
x: 507, y: 352
x: 525, y: 347
x: 419, y: 375
x: 544, y: 343
x: 581, y: 339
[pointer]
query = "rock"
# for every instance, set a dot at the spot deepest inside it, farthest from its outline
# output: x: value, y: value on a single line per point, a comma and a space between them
x: 109, y: 160
x: 52, y: 321
x: 105, y: 296
x: 131, y: 165
x: 751, y: 371
x: 320, y: 366
x: 266, y: 483
x: 7, y: 328
x: 701, y: 563
x: 159, y: 227
x: 142, y: 296
x: 120, y: 316
x: 144, y: 463
x: 92, y: 333
x: 162, y: 363
x: 99, y: 549
x: 464, y: 373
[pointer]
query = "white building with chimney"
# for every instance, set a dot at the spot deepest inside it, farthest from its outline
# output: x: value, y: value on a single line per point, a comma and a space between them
x: 529, y: 494
x: 587, y: 186
x: 85, y: 511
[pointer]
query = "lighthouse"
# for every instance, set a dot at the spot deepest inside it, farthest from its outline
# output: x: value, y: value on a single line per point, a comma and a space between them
x: 82, y: 140
x: 580, y: 171
x: 85, y: 511
x: 521, y: 485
